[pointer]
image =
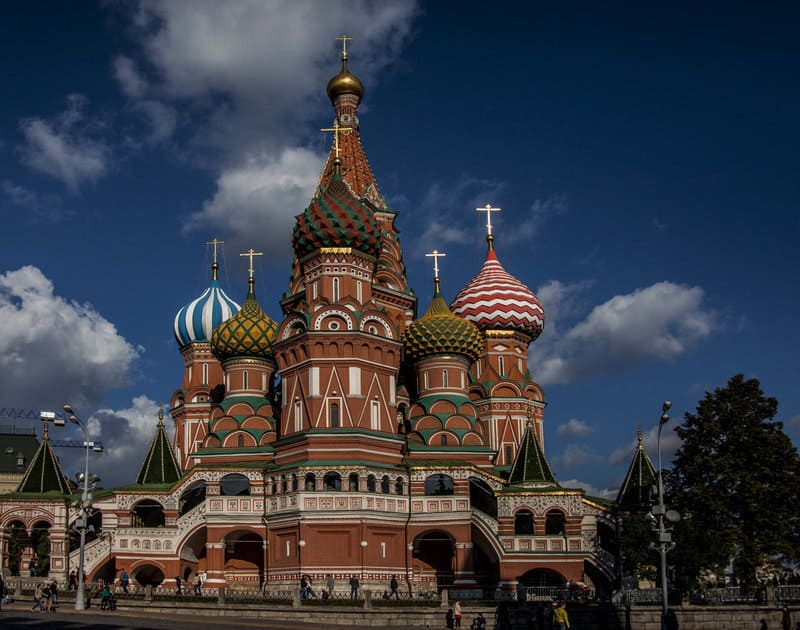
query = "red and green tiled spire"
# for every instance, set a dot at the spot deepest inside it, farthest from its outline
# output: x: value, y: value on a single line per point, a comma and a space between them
x: 335, y: 218
x: 159, y: 465
x: 440, y: 332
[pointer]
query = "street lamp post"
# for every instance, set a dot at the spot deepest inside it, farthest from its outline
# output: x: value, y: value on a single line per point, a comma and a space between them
x: 84, y: 506
x: 660, y: 512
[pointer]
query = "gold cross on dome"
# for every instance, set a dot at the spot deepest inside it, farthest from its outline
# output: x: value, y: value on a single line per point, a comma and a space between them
x: 336, y: 129
x: 436, y: 255
x: 344, y: 39
x: 250, y: 254
x: 488, y: 209
x: 215, y: 242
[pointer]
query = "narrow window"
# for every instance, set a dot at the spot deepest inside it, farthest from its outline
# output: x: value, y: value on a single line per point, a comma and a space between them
x: 240, y: 441
x: 205, y: 373
x: 314, y: 290
x: 509, y: 453
x: 501, y: 365
x: 359, y: 291
x: 425, y: 379
x: 375, y: 415
x: 288, y: 549
x: 443, y: 439
x: 463, y: 376
x: 445, y: 380
x: 334, y: 414
x: 298, y: 416
x: 383, y: 550
x: 336, y: 289
x: 245, y: 380
x: 478, y: 369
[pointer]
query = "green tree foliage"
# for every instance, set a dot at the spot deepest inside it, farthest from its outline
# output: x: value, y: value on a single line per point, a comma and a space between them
x: 636, y: 534
x: 735, y: 479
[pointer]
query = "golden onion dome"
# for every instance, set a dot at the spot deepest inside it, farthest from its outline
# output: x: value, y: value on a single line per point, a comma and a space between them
x: 439, y: 331
x: 345, y: 83
x: 249, y: 333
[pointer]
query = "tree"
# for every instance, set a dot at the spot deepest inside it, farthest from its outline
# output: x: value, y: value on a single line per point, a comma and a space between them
x: 735, y: 479
x: 637, y: 558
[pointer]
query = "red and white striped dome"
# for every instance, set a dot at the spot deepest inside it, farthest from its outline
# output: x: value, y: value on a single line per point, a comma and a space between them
x: 496, y: 300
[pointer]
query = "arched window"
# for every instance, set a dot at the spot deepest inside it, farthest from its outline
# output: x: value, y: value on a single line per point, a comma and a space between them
x: 438, y: 485
x: 501, y: 365
x: 445, y: 379
x: 234, y: 485
x: 353, y: 482
x: 240, y: 440
x: 370, y: 483
x: 147, y: 513
x: 398, y: 486
x: 523, y: 523
x: 335, y: 289
x: 311, y: 482
x: 245, y: 379
x: 295, y: 483
x: 554, y: 523
x: 333, y: 481
x: 284, y: 484
x: 443, y: 439
x: 385, y: 484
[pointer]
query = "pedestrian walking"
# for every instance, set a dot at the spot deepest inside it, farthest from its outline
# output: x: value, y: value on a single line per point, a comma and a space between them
x: 37, y: 599
x: 354, y: 587
x: 560, y: 617
x: 457, y: 614
x: 198, y: 585
x: 53, y: 595
x: 330, y: 584
x: 178, y: 583
x: 393, y: 587
x: 124, y: 580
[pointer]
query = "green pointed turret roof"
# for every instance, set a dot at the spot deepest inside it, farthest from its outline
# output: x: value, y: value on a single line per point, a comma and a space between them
x: 641, y: 477
x: 160, y: 465
x: 530, y: 465
x: 44, y: 473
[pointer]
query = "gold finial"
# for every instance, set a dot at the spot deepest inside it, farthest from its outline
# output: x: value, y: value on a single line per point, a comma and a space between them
x: 250, y: 254
x: 488, y: 209
x: 214, y: 265
x: 336, y: 129
x: 344, y: 39
x: 161, y: 411
x: 639, y: 434
x: 436, y: 255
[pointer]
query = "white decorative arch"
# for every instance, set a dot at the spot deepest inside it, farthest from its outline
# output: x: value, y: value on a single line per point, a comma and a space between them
x: 290, y: 324
x: 374, y: 318
x: 347, y: 317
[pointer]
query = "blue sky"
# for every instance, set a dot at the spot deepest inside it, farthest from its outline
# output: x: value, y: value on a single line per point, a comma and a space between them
x: 644, y: 158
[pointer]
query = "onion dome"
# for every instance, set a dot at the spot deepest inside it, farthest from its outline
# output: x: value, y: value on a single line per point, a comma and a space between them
x: 336, y: 219
x: 440, y: 332
x: 249, y: 333
x: 496, y: 300
x: 197, y: 320
x: 345, y: 83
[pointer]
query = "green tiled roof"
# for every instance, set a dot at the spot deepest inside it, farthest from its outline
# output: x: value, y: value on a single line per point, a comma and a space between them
x: 44, y: 472
x: 641, y: 477
x: 530, y: 467
x: 160, y: 465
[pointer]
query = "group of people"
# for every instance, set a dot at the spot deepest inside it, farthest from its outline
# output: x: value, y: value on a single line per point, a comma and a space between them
x: 543, y: 616
x: 45, y: 597
x: 197, y: 585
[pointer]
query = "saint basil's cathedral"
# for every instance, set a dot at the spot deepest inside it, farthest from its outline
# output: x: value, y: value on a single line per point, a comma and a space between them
x: 349, y: 438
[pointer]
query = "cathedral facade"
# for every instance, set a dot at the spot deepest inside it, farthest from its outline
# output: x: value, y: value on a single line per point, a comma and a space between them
x: 350, y: 438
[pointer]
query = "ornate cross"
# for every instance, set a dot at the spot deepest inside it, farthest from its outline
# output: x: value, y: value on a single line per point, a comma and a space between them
x: 336, y: 129
x: 47, y: 417
x: 344, y: 39
x: 488, y: 209
x: 436, y: 255
x: 250, y: 254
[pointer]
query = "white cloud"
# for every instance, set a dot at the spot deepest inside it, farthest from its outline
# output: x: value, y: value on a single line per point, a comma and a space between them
x: 574, y: 428
x: 250, y: 87
x: 64, y: 147
x: 539, y: 212
x: 575, y: 455
x: 41, y: 207
x: 126, y: 435
x: 262, y: 197
x: 661, y: 321
x: 604, y: 493
x: 53, y: 350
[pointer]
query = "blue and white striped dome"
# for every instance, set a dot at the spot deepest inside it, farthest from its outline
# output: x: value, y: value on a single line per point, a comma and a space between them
x: 198, y: 319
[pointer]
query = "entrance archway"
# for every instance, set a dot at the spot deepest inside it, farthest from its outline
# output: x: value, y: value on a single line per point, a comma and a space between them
x: 543, y: 577
x: 148, y: 574
x: 433, y: 554
x: 244, y: 558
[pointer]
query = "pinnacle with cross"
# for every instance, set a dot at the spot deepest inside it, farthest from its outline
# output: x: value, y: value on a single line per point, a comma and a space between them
x: 214, y: 265
x: 251, y: 253
x: 344, y: 39
x: 436, y: 255
x: 336, y: 129
x: 488, y: 209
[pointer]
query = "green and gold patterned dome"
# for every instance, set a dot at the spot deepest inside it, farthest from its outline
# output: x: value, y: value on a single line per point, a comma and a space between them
x: 249, y: 333
x: 440, y: 332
